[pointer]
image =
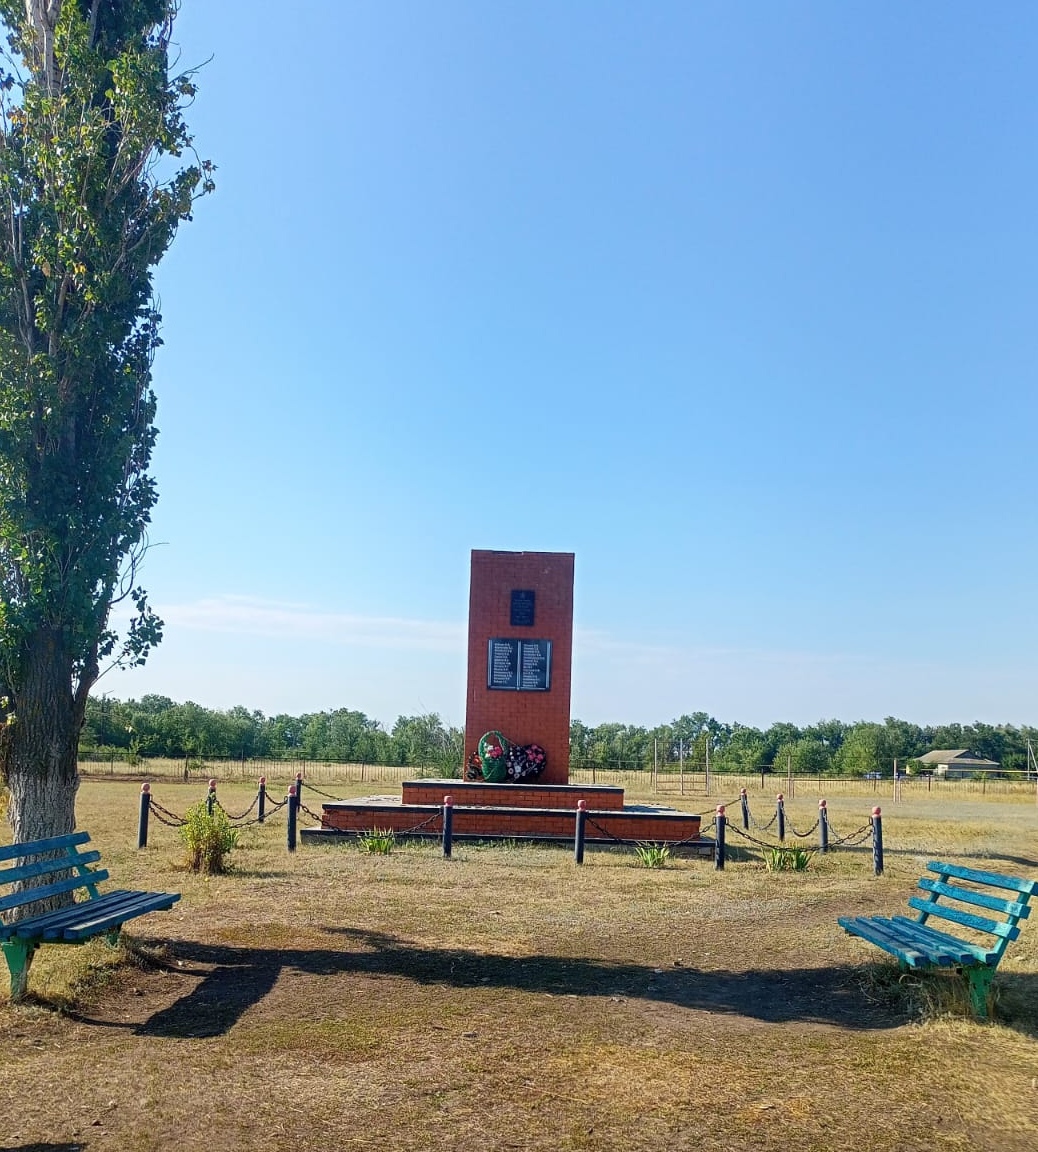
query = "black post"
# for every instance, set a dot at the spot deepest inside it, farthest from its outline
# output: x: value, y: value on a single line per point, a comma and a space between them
x: 780, y: 812
x: 299, y: 788
x: 578, y: 841
x: 448, y: 826
x: 744, y: 803
x: 720, y: 820
x: 823, y: 826
x: 210, y: 800
x: 262, y: 798
x: 142, y: 819
x: 877, y: 841
x: 293, y: 803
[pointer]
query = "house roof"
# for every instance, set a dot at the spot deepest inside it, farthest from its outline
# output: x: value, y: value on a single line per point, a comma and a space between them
x: 956, y: 757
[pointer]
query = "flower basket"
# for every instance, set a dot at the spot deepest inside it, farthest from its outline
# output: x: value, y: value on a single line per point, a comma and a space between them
x: 493, y: 755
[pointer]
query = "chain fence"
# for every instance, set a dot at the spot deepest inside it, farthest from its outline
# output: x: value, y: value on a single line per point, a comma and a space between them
x: 433, y: 825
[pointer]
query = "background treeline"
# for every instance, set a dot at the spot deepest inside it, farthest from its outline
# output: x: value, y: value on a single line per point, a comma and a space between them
x: 157, y: 726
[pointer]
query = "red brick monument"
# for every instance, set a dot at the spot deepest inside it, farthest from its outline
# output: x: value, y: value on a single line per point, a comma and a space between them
x: 520, y: 651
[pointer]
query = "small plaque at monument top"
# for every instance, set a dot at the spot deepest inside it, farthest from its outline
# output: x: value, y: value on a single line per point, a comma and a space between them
x: 523, y: 602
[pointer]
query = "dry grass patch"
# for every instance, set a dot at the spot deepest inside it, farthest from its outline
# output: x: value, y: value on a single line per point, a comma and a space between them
x: 508, y: 999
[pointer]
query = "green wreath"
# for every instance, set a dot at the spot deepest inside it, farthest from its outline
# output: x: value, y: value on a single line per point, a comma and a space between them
x: 493, y: 756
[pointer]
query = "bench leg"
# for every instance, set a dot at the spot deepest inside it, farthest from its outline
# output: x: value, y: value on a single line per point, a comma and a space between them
x: 980, y: 978
x: 18, y: 954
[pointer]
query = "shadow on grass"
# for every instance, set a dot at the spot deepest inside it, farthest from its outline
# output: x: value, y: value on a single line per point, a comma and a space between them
x: 41, y: 1147
x: 233, y: 979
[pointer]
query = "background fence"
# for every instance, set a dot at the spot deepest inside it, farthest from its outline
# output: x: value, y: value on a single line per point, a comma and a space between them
x: 670, y: 783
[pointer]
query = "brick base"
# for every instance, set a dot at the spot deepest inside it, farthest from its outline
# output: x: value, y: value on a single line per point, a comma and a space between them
x: 600, y: 797
x: 487, y: 822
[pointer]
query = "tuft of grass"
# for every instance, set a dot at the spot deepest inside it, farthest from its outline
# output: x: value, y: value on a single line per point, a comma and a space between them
x: 377, y: 842
x: 787, y: 859
x: 652, y: 855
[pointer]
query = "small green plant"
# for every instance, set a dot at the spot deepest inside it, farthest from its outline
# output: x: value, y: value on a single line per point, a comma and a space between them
x: 208, y: 838
x: 377, y: 842
x: 652, y: 855
x: 787, y: 859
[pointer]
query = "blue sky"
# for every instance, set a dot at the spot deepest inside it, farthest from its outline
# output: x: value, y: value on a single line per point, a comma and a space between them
x: 735, y: 301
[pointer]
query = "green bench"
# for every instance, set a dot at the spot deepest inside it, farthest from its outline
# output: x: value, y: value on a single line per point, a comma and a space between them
x: 55, y: 867
x: 978, y: 951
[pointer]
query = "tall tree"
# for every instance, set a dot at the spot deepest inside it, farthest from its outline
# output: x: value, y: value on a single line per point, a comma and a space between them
x: 89, y: 202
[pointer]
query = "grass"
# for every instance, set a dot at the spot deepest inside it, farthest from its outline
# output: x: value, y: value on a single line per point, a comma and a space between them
x: 507, y: 998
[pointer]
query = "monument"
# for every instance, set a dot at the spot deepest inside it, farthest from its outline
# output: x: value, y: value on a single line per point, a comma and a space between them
x: 520, y: 653
x: 515, y: 780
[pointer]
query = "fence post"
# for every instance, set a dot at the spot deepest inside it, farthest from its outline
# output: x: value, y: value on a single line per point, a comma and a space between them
x: 823, y: 826
x: 720, y: 820
x: 877, y: 841
x: 293, y: 803
x: 448, y: 825
x: 210, y: 800
x: 299, y: 788
x: 578, y: 840
x: 142, y: 819
x: 262, y: 799
x: 744, y: 804
x: 780, y: 812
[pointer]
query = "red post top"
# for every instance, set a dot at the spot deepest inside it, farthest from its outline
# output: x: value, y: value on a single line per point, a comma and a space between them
x: 145, y: 787
x: 448, y: 801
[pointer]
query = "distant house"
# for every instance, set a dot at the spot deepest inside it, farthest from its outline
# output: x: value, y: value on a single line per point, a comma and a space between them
x: 956, y: 763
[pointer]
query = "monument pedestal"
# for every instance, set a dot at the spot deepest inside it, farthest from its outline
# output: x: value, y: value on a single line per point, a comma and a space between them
x: 535, y: 812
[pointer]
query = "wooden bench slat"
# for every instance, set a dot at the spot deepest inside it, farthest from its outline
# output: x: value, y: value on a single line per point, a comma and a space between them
x: 31, y: 895
x: 1012, y: 908
x: 112, y: 916
x: 961, y: 951
x: 967, y: 919
x: 60, y: 917
x: 880, y: 931
x: 40, y: 847
x: 45, y: 867
x: 994, y: 879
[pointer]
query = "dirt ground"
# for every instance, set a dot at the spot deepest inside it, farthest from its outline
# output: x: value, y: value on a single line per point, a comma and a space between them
x: 506, y: 999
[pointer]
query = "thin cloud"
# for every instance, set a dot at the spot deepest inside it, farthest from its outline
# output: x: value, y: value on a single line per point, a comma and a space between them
x: 252, y: 616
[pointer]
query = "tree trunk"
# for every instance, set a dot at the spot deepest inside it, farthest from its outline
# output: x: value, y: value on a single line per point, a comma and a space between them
x: 40, y: 759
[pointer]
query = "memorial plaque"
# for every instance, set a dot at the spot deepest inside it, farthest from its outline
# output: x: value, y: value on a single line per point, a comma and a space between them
x: 534, y: 665
x: 503, y: 664
x: 523, y: 665
x: 523, y: 602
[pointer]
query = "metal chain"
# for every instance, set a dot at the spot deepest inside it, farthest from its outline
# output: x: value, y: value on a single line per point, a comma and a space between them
x: 313, y: 815
x: 863, y: 834
x: 243, y: 815
x: 326, y: 795
x: 802, y: 835
x: 418, y: 827
x: 763, y: 827
x: 173, y: 821
x: 670, y: 844
x: 266, y: 815
x: 753, y: 839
